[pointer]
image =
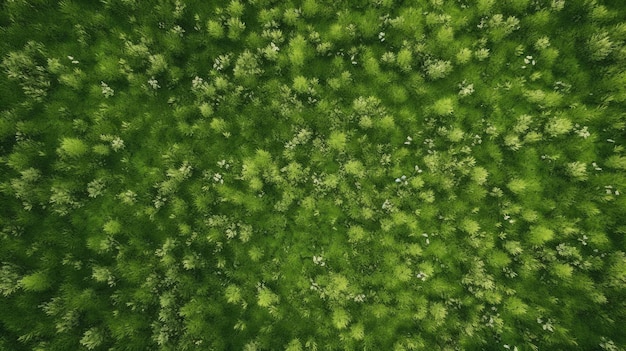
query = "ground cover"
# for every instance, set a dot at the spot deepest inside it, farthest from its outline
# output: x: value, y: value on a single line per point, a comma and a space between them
x: 312, y: 175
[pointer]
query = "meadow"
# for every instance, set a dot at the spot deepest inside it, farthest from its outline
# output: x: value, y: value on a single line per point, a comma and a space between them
x: 312, y: 175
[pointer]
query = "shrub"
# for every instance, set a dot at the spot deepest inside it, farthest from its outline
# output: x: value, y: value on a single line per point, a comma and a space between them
x: 437, y: 69
x: 355, y: 168
x: 215, y: 29
x: 9, y: 279
x: 300, y: 84
x: 92, y: 338
x: 235, y: 9
x: 518, y: 186
x: 235, y: 28
x: 337, y: 141
x: 599, y: 46
x: 297, y: 51
x: 538, y: 235
x: 481, y: 54
x: 233, y: 294
x: 464, y: 56
x: 28, y: 68
x: 404, y: 60
x: 112, y: 227
x: 73, y: 147
x: 470, y: 226
x: 577, y: 170
x: 310, y: 8
x: 247, y: 67
x: 479, y: 175
x: 158, y: 64
x: 443, y: 107
x: 558, y: 126
x: 38, y: 281
x: 341, y: 318
x: 398, y: 94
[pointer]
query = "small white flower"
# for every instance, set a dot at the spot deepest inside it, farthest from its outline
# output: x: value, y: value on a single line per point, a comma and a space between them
x: 465, y: 89
x: 223, y: 164
x: 197, y: 82
x: 319, y: 260
x: 529, y: 60
x: 178, y: 30
x: 117, y: 144
x: 128, y: 197
x: 387, y: 205
x: 185, y: 170
x: 159, y: 201
x: 106, y: 90
x: 401, y: 180
x: 154, y: 84
x: 583, y: 133
x: 230, y: 233
x: 218, y: 178
x: 95, y: 188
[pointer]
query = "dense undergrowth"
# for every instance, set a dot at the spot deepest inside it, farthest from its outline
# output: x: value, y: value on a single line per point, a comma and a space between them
x: 313, y: 175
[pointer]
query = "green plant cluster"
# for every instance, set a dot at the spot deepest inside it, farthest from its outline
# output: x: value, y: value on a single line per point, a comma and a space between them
x: 312, y: 175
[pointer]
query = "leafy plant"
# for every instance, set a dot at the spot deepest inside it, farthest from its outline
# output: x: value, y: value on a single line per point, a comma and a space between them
x: 312, y: 175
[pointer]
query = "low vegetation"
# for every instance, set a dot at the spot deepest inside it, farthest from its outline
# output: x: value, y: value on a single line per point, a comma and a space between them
x: 312, y: 175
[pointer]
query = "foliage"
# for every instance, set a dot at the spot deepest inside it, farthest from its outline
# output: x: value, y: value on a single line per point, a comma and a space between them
x: 312, y: 175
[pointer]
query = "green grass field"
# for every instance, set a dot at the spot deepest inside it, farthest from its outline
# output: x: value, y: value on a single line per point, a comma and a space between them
x: 312, y: 175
